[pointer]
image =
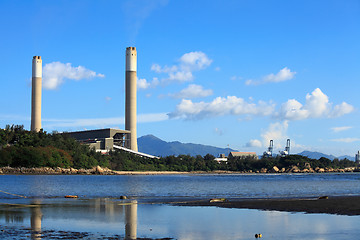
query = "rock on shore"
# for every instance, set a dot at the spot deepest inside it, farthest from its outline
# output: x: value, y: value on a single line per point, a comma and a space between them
x: 72, y: 171
x: 56, y: 171
x: 106, y: 171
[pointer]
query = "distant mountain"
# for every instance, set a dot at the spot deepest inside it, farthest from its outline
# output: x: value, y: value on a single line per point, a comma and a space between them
x: 155, y: 146
x: 318, y: 155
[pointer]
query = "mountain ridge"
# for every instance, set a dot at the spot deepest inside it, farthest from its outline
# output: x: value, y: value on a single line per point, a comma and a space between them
x: 153, y: 145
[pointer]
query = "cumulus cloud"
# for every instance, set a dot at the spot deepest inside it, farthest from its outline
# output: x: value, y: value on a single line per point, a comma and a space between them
x: 277, y: 132
x: 316, y: 105
x: 183, y: 71
x: 341, y: 109
x: 284, y: 74
x: 193, y: 91
x: 341, y: 129
x: 142, y: 83
x: 230, y: 105
x: 254, y: 143
x: 194, y: 61
x: 55, y: 73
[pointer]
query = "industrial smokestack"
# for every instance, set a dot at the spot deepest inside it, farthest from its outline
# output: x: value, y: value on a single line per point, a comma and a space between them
x: 130, y: 98
x: 36, y: 94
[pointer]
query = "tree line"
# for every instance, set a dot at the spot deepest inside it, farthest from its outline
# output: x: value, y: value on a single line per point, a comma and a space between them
x: 22, y: 148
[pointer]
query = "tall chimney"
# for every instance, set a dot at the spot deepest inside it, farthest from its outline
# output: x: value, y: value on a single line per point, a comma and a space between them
x: 36, y: 94
x: 130, y: 98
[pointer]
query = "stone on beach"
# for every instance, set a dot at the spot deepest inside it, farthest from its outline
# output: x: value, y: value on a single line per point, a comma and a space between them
x: 293, y: 169
x: 274, y: 169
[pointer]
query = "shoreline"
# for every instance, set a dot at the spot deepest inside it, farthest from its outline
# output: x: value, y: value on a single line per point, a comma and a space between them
x: 339, y: 205
x: 106, y: 171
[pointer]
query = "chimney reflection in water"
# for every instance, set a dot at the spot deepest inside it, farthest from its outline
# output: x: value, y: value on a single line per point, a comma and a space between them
x: 35, y: 221
x: 131, y: 220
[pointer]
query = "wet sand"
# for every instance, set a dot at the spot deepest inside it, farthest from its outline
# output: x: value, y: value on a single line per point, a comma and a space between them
x: 349, y: 205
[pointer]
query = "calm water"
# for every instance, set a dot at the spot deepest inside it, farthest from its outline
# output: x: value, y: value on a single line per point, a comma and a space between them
x: 100, y: 218
x: 100, y: 213
x: 236, y: 186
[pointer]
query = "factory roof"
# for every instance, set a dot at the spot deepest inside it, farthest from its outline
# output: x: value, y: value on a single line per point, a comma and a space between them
x: 96, y: 134
x: 243, y: 154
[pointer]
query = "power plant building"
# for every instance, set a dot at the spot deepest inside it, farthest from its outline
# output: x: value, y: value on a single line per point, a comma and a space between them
x: 101, y: 139
x: 108, y: 139
x: 36, y: 86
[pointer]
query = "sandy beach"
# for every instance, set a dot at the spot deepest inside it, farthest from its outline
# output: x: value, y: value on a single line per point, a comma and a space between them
x: 344, y: 205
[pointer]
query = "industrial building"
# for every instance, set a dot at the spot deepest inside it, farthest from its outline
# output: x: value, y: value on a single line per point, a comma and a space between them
x: 221, y: 158
x: 243, y: 155
x: 100, y: 139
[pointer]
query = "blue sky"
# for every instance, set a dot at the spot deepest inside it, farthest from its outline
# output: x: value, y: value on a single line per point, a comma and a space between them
x: 221, y: 73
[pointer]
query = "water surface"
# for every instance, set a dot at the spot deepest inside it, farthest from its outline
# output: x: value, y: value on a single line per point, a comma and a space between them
x: 235, y: 186
x: 100, y: 214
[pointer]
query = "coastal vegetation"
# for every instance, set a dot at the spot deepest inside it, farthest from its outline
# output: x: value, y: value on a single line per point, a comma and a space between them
x: 22, y: 148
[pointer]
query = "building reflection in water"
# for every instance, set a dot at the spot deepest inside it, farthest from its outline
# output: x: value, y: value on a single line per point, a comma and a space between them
x: 131, y: 220
x: 104, y: 205
x: 35, y: 220
x: 99, y: 210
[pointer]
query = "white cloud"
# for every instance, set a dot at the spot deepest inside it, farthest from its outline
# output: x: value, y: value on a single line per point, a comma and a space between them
x: 194, y: 61
x: 293, y: 110
x: 158, y: 69
x: 193, y: 91
x: 183, y: 72
x: 341, y: 129
x: 108, y: 99
x: 217, y: 69
x: 346, y: 140
x: 283, y: 75
x: 277, y: 132
x: 181, y: 76
x: 254, y: 143
x: 142, y: 83
x: 341, y: 109
x: 55, y: 73
x: 230, y: 105
x: 317, y: 105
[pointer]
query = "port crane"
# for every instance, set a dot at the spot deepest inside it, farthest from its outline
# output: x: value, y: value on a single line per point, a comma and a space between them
x: 287, y: 149
x: 269, y: 152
